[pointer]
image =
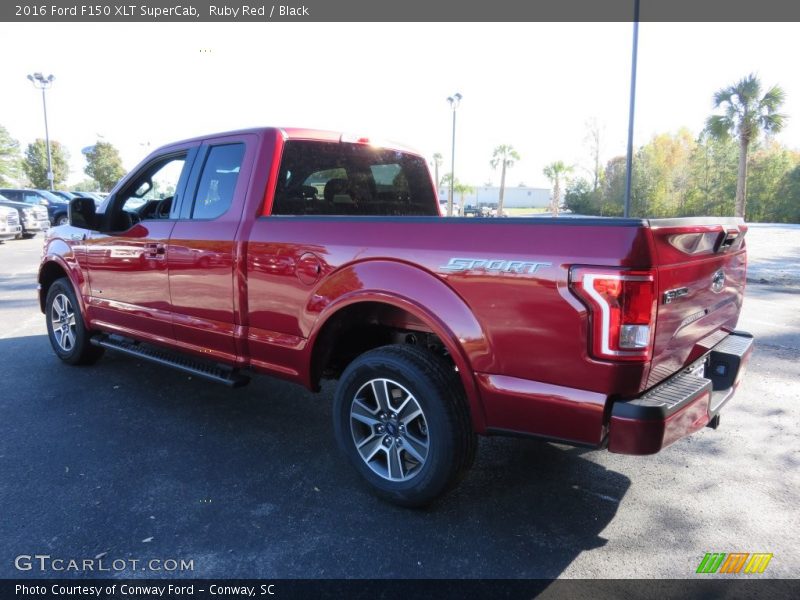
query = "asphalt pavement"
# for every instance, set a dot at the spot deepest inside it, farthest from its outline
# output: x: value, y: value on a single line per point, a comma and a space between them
x: 131, y: 461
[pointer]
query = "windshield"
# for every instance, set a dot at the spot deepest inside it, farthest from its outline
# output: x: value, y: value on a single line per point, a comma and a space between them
x: 50, y: 196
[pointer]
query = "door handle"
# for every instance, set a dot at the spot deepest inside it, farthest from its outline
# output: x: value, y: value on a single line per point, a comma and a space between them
x: 155, y: 250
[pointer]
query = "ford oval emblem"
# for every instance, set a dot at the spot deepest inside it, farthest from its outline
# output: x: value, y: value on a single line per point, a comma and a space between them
x: 718, y: 281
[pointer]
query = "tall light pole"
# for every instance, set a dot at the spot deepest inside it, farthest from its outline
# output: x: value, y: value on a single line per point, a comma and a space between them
x: 629, y: 155
x: 40, y: 82
x: 454, y: 101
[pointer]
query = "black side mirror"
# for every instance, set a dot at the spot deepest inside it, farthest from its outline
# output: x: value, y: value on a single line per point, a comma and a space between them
x: 82, y: 213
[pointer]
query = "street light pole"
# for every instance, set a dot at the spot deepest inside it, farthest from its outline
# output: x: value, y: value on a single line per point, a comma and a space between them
x: 454, y: 101
x: 43, y: 83
x: 629, y: 155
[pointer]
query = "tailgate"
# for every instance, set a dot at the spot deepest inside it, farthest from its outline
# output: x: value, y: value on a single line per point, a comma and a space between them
x: 701, y: 279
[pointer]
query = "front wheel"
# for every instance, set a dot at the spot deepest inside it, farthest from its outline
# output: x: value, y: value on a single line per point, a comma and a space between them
x: 401, y: 417
x: 62, y: 220
x: 65, y: 328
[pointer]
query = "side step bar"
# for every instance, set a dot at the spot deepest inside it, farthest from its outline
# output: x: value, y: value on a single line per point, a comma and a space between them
x: 215, y: 372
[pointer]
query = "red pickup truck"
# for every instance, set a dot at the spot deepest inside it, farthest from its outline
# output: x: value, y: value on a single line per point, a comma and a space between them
x: 307, y: 255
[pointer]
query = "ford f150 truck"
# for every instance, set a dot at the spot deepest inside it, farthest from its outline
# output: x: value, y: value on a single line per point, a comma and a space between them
x: 307, y: 255
x: 9, y: 223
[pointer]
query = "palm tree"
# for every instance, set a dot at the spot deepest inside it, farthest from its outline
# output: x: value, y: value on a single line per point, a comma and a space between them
x: 746, y: 114
x: 461, y: 189
x: 503, y: 156
x: 554, y: 172
x: 437, y: 162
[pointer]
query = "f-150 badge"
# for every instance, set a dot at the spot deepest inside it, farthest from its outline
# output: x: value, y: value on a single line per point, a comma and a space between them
x: 497, y: 264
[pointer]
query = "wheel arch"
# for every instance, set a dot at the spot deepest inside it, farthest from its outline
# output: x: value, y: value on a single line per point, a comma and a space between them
x: 397, y: 294
x: 54, y: 268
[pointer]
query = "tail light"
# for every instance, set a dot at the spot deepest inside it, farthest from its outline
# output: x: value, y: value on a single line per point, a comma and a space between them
x: 622, y: 310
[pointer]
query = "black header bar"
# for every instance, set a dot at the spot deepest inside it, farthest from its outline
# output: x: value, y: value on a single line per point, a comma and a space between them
x: 195, y: 11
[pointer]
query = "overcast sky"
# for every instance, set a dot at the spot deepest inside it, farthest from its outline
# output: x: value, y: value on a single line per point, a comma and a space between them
x: 531, y: 85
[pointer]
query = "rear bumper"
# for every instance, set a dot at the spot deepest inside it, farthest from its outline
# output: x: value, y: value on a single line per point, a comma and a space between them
x: 684, y: 403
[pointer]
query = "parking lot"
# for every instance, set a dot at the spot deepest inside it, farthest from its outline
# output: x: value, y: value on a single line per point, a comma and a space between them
x: 131, y: 460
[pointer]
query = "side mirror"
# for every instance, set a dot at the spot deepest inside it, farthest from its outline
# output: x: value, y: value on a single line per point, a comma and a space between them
x: 82, y: 213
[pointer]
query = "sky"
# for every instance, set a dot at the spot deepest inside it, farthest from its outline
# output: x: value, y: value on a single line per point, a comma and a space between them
x: 532, y: 85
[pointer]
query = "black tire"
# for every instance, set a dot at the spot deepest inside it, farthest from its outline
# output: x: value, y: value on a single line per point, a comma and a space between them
x: 65, y: 327
x: 61, y: 219
x: 27, y: 236
x: 436, y: 389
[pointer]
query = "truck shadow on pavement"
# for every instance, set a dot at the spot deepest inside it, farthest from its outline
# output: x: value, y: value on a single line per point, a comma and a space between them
x: 138, y: 461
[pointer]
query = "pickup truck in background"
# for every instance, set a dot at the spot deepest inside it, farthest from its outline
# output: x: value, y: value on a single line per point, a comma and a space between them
x: 307, y: 255
x: 9, y: 224
x: 32, y: 219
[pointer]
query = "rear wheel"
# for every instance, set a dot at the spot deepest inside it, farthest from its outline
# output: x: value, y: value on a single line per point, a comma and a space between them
x: 65, y: 327
x: 400, y: 416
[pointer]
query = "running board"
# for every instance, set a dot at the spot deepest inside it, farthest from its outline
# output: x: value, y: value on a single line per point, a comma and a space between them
x: 215, y: 372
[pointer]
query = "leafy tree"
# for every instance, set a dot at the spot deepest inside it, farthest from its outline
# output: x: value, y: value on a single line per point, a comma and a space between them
x: 9, y: 157
x: 581, y: 198
x: 787, y: 209
x: 504, y: 157
x: 35, y: 164
x: 768, y: 167
x: 746, y: 114
x: 661, y: 175
x: 104, y: 165
x: 593, y: 138
x: 712, y: 182
x: 555, y: 172
x: 462, y: 189
x: 87, y: 185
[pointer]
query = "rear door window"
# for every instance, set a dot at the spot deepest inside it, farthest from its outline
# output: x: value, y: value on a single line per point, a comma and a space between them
x: 218, y: 181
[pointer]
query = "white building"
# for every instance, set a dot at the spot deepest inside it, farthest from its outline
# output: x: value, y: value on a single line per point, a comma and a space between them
x: 514, y: 197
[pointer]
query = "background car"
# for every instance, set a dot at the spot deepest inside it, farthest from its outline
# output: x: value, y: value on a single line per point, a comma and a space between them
x: 65, y: 195
x: 96, y: 196
x: 9, y: 224
x: 32, y: 219
x: 57, y: 207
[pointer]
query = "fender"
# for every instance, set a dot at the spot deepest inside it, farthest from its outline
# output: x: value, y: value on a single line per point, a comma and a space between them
x: 60, y: 253
x: 419, y: 293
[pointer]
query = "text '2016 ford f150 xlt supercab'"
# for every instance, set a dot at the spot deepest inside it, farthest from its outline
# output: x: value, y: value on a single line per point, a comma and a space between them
x: 307, y: 255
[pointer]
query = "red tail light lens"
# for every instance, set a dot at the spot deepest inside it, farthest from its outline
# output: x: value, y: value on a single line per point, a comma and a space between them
x: 622, y: 307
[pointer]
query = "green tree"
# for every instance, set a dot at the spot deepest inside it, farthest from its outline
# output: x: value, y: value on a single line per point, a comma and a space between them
x: 787, y: 209
x: 746, y: 114
x: 581, y: 198
x: 769, y: 164
x: 661, y: 175
x: 712, y: 180
x: 462, y: 189
x: 104, y: 165
x: 593, y: 138
x: 35, y: 164
x: 87, y: 185
x: 504, y: 157
x: 9, y: 157
x: 555, y: 172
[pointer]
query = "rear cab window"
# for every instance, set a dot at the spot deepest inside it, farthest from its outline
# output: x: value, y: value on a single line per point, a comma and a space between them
x: 334, y: 178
